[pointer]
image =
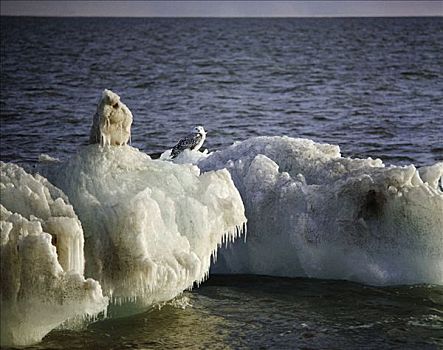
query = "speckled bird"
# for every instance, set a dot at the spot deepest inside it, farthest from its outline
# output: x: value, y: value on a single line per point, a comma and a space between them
x: 192, y: 141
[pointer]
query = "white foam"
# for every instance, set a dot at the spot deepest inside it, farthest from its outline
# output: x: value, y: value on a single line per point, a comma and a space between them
x: 314, y: 213
x: 42, y: 262
x: 45, y: 158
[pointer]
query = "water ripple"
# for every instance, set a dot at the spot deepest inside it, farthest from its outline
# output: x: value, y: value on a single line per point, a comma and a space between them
x: 365, y: 84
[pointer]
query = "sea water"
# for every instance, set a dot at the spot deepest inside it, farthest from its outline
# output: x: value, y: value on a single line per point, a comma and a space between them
x: 372, y: 86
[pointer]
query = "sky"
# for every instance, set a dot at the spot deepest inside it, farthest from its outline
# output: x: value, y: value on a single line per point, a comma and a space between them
x: 221, y: 8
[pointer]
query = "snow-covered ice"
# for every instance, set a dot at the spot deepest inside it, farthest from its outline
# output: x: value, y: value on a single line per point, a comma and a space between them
x: 111, y: 122
x: 42, y: 261
x: 314, y: 213
x: 151, y: 226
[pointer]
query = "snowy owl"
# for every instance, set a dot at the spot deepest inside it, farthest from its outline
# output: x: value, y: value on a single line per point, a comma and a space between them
x: 112, y: 121
x: 192, y: 141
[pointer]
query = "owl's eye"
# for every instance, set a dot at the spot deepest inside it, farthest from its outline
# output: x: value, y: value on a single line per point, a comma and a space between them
x: 115, y: 105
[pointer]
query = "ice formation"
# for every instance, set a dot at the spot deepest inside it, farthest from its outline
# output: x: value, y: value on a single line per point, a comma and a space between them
x: 314, y: 213
x: 150, y: 226
x: 42, y: 262
x: 186, y: 157
x: 112, y: 121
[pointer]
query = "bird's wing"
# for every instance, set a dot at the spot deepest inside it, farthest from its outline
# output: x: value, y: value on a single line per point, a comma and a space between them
x: 189, y: 141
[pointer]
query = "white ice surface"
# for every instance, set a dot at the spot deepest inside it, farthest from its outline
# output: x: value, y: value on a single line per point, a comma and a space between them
x: 42, y: 262
x: 150, y: 226
x: 314, y: 213
x: 186, y: 157
x: 112, y: 121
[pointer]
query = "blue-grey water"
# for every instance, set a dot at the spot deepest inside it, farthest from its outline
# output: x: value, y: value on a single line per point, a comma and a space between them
x: 372, y: 86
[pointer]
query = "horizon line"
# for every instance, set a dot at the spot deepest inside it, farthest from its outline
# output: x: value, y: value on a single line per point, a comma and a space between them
x: 226, y: 17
